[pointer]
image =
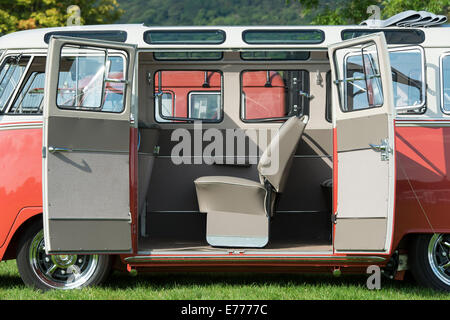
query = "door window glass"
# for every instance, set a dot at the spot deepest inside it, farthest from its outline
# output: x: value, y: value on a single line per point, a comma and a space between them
x: 204, y: 105
x: 92, y: 81
x: 362, y: 81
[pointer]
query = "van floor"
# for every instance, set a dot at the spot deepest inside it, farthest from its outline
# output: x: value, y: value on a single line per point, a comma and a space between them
x: 163, y: 245
x: 170, y: 232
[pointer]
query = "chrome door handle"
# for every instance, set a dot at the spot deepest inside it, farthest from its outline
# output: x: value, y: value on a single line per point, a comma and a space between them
x: 378, y: 147
x: 384, y: 148
x: 56, y: 149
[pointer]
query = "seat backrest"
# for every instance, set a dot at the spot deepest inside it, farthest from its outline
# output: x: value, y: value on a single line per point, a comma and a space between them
x: 276, y: 160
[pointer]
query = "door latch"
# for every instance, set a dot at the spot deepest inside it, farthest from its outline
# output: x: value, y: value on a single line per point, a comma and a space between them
x: 305, y: 94
x: 383, y: 148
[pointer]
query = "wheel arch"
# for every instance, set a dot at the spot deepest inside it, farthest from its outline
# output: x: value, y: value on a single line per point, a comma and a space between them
x: 24, y: 220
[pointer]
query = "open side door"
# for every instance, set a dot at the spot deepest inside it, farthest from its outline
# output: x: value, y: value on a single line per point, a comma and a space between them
x: 364, y: 158
x: 86, y: 146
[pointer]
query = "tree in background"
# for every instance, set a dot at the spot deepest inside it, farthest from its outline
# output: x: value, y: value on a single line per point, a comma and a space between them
x: 355, y: 11
x: 213, y: 12
x: 18, y: 15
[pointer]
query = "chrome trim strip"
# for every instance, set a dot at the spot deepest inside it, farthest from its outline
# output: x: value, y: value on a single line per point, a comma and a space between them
x: 244, y: 251
x: 127, y: 219
x: 312, y: 258
x: 17, y: 126
x: 54, y: 150
x: 422, y: 123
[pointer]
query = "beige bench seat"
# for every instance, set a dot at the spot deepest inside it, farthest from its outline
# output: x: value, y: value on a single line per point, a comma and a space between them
x: 239, y: 210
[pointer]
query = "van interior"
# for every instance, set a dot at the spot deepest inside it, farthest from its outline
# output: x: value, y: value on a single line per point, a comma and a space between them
x: 228, y: 200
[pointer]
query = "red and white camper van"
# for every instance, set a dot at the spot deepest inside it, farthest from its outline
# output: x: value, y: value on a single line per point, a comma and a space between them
x: 93, y: 117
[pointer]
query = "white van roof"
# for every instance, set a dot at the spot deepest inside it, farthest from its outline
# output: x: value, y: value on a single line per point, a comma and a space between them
x: 35, y: 39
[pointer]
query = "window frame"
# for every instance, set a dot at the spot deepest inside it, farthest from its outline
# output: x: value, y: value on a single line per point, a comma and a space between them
x: 441, y: 81
x: 190, y: 60
x: 411, y: 110
x: 243, y: 94
x: 344, y: 103
x: 196, y: 42
x: 387, y: 32
x: 173, y: 97
x: 177, y: 120
x: 290, y: 60
x: 195, y: 92
x: 283, y: 42
x: 22, y: 87
x: 108, y: 53
x: 120, y: 36
x: 404, y: 110
x: 20, y: 84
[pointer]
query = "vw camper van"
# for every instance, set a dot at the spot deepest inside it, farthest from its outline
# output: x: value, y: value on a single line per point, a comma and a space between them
x: 261, y: 149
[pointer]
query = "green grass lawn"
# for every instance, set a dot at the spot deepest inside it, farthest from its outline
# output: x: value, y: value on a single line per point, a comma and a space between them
x: 219, y: 286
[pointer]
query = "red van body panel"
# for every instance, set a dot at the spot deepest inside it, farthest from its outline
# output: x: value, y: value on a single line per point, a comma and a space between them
x: 422, y: 195
x: 20, y: 177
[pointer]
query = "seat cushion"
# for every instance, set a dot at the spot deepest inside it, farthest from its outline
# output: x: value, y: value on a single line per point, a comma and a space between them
x: 235, y: 208
x: 229, y: 180
x: 230, y: 194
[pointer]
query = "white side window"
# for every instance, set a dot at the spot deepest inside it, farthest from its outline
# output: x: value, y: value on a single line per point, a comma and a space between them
x: 445, y: 81
x: 408, y: 78
x: 10, y: 76
x: 407, y: 65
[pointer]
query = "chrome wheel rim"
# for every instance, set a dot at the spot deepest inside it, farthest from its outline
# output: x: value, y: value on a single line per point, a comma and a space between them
x: 60, y: 271
x: 439, y: 256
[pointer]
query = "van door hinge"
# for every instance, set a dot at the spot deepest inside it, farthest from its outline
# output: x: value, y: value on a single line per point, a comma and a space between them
x: 334, y: 218
x: 44, y: 152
